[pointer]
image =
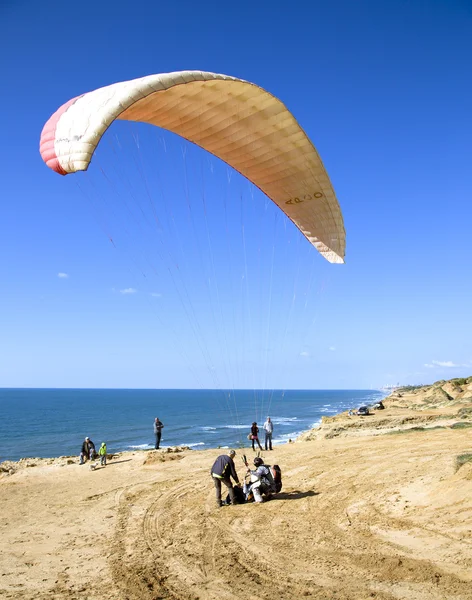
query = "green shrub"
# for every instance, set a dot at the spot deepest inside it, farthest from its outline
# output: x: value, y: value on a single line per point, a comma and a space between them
x: 462, y: 459
x: 409, y: 430
x: 461, y: 425
x: 410, y: 388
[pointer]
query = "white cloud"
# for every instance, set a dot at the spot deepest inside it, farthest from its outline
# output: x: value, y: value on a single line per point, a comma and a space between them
x: 156, y: 295
x: 128, y: 291
x: 446, y: 364
x: 62, y: 275
x: 332, y: 348
x: 304, y: 353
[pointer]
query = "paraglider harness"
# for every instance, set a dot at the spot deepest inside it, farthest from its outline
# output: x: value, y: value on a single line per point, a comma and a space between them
x: 270, y: 482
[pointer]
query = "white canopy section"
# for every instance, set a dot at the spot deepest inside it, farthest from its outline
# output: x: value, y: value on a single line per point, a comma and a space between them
x: 239, y: 122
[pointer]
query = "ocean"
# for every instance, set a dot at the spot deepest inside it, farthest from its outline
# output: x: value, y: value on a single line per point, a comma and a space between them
x: 54, y: 422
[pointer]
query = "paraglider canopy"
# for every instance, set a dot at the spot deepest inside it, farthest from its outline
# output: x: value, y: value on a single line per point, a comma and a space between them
x: 237, y: 121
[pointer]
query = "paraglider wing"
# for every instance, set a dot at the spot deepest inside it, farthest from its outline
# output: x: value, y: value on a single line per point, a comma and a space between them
x: 239, y: 122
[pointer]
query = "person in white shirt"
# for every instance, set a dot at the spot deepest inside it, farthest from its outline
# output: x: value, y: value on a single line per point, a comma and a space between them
x: 268, y: 429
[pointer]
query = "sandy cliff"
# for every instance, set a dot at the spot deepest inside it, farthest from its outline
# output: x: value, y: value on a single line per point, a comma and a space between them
x: 360, y: 516
x: 440, y: 405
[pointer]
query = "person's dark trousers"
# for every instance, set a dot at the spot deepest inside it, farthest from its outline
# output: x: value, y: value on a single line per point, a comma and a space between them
x: 258, y: 443
x: 268, y: 440
x: 228, y: 484
x: 158, y: 440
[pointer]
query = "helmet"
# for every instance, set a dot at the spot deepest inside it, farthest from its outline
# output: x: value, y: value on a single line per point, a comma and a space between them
x: 258, y: 461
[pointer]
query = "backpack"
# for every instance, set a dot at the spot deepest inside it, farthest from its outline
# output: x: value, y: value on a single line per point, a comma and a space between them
x: 268, y: 479
x: 276, y: 473
x: 239, y: 495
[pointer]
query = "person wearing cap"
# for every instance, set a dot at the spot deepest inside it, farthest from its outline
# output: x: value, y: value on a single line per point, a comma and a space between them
x: 221, y: 472
x: 102, y: 453
x: 88, y: 450
x: 268, y: 430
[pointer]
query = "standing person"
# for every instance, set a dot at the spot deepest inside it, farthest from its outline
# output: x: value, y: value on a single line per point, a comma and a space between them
x: 158, y: 432
x: 221, y: 472
x: 87, y: 451
x: 268, y: 429
x: 102, y: 453
x: 255, y: 435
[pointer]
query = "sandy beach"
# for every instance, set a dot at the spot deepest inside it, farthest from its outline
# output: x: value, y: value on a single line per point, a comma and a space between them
x: 367, y: 510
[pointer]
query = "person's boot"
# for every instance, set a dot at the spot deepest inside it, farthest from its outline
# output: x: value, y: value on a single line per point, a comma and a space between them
x: 257, y: 495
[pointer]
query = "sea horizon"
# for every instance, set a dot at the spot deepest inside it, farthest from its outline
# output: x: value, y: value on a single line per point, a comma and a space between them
x: 266, y: 390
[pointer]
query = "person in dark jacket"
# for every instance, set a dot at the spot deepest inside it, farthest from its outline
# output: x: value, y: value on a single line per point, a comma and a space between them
x: 158, y: 432
x: 221, y: 472
x: 87, y: 451
x: 255, y: 435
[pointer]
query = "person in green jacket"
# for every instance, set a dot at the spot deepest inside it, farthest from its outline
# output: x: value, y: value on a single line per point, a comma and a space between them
x: 102, y: 453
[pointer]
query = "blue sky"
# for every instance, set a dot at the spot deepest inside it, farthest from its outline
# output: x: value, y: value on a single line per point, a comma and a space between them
x: 383, y: 90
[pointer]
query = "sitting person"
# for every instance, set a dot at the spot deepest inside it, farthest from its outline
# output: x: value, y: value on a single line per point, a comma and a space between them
x: 87, y: 451
x: 261, y: 481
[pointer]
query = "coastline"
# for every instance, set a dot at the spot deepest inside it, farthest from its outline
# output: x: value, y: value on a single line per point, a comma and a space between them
x: 442, y: 404
x: 359, y: 516
x: 58, y: 420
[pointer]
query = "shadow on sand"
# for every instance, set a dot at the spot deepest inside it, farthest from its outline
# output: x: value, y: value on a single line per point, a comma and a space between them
x: 296, y: 495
